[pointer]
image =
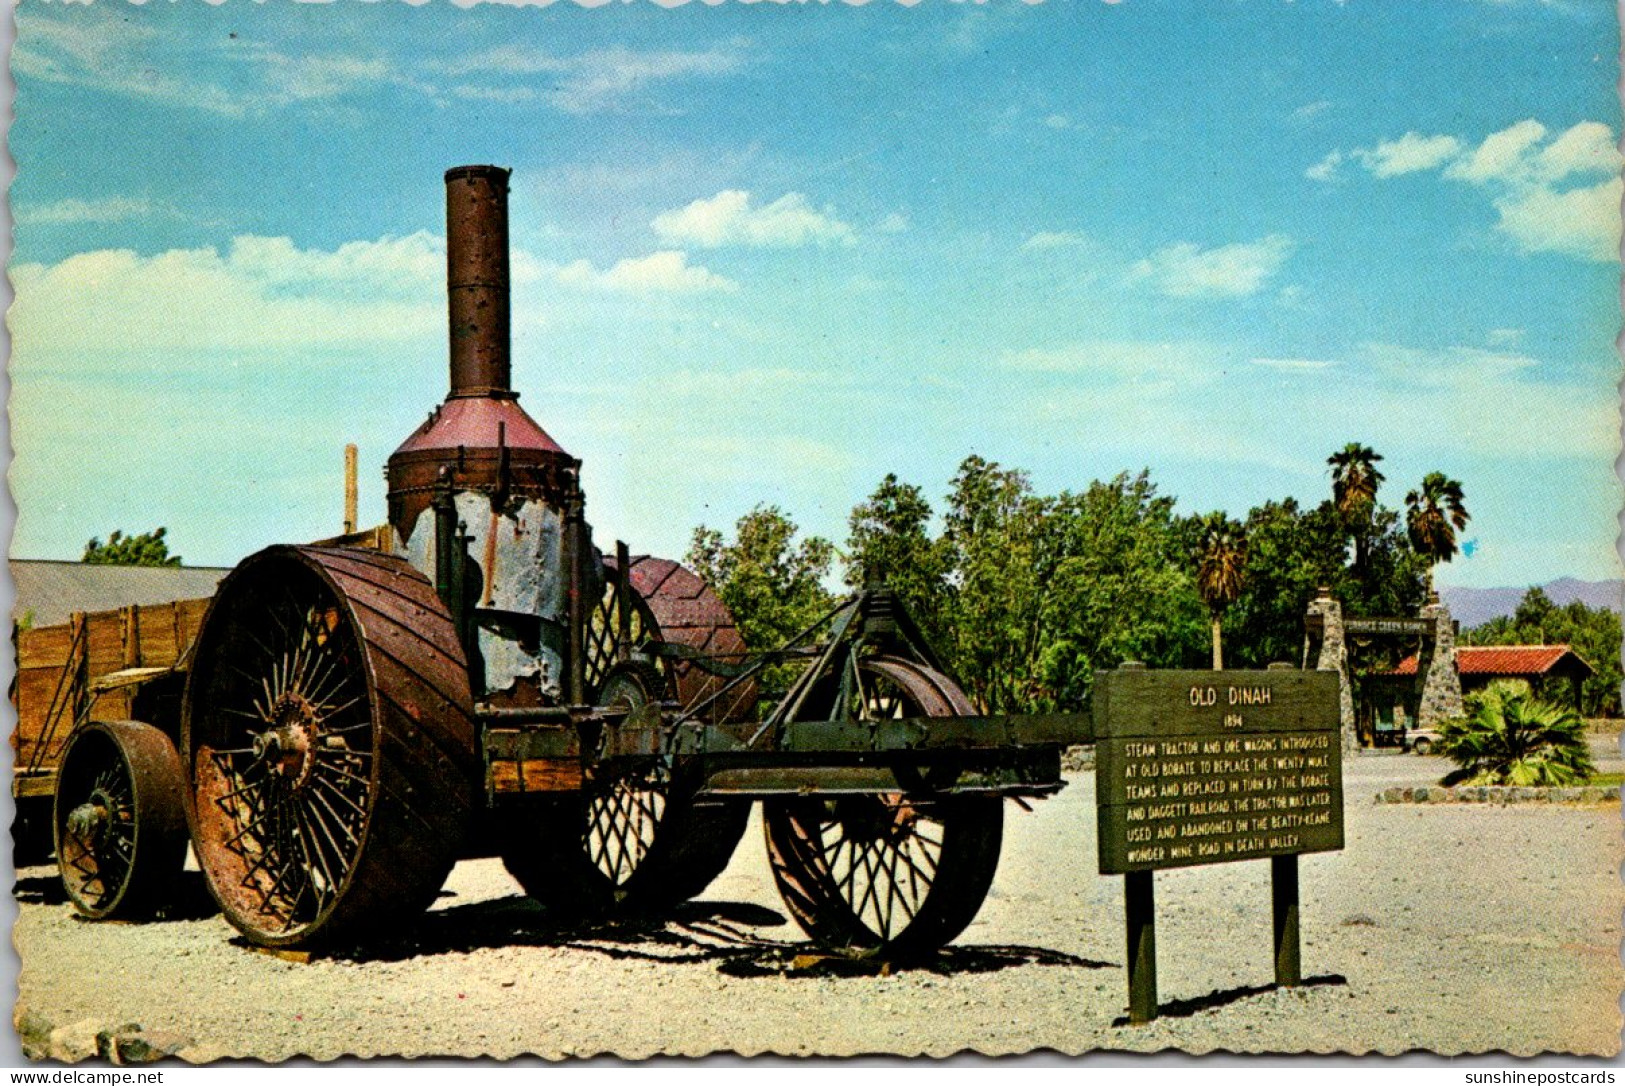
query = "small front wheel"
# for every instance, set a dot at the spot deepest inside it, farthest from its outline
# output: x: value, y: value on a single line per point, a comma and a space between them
x: 118, y: 820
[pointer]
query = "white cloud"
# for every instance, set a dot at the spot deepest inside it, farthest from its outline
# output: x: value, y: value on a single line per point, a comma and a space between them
x: 105, y: 210
x: 1188, y: 271
x: 115, y: 56
x: 1310, y: 110
x: 1500, y: 337
x: 261, y: 293
x: 1502, y: 155
x: 1588, y: 147
x: 586, y: 83
x: 1326, y: 168
x: 1408, y: 154
x: 1537, y: 182
x: 729, y: 219
x: 1465, y: 368
x: 894, y: 223
x: 1582, y: 222
x: 1057, y: 121
x: 268, y: 296
x: 666, y: 272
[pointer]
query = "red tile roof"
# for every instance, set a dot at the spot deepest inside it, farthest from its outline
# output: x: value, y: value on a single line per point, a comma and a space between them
x: 1501, y: 660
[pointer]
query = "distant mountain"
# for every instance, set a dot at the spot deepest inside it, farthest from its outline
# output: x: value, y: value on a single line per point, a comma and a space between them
x: 1475, y: 606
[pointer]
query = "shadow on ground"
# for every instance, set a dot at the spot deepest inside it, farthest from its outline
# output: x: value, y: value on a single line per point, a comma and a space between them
x: 191, y: 899
x: 1187, y: 1008
x: 725, y: 933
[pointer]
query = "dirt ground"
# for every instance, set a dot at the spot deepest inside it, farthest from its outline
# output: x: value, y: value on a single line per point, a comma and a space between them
x: 1453, y: 929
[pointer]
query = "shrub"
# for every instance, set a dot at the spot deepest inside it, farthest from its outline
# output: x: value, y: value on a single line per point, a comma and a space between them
x: 1511, y: 737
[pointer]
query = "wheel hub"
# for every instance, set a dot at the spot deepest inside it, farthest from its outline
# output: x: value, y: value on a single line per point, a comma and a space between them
x: 288, y: 747
x: 88, y: 822
x: 866, y: 819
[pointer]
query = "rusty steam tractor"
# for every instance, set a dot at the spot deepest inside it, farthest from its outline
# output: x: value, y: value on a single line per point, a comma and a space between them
x: 348, y: 720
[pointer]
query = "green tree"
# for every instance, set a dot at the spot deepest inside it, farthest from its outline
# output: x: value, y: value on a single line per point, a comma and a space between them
x: 1592, y: 632
x: 773, y: 584
x: 1355, y: 481
x: 1113, y: 563
x: 991, y: 537
x: 1046, y: 591
x: 147, y: 549
x: 888, y: 541
x: 1221, y: 562
x: 1511, y: 737
x: 1433, y: 516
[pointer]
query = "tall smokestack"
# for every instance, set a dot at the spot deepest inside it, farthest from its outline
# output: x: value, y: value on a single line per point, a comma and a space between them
x: 480, y: 440
x: 477, y: 280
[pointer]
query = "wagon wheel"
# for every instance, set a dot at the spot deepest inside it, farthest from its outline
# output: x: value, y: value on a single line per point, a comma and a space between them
x: 119, y: 825
x: 891, y: 875
x: 329, y: 744
x: 671, y: 603
x: 635, y: 843
x: 642, y: 842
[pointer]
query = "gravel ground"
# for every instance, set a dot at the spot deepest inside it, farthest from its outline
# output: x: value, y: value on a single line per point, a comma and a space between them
x: 1450, y: 929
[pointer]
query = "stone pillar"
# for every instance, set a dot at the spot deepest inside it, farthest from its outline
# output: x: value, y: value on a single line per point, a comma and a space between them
x: 1334, y: 656
x: 1441, y: 685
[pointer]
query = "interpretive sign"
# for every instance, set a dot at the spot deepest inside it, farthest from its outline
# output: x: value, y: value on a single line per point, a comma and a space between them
x: 1196, y: 767
x: 1208, y: 768
x: 1201, y: 767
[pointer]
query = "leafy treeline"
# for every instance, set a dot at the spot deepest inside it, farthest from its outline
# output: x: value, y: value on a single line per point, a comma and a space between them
x: 1027, y: 595
x: 1594, y: 633
x: 146, y: 549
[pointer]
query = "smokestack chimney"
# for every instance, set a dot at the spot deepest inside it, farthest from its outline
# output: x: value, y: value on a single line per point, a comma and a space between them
x: 480, y: 439
x: 477, y: 280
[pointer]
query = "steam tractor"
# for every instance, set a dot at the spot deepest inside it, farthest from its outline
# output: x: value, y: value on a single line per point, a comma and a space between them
x: 347, y: 720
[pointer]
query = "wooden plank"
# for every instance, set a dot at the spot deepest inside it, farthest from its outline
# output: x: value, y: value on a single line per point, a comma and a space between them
x: 105, y: 638
x: 34, y: 689
x: 1217, y: 767
x: 1199, y: 767
x: 1136, y: 702
x: 34, y: 785
x: 43, y: 646
x: 157, y: 634
x: 537, y: 775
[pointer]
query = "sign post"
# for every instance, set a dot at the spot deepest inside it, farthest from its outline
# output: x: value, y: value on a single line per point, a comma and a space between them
x: 1201, y: 767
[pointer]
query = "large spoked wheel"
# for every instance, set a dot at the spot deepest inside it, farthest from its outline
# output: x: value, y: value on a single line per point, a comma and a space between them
x: 328, y: 738
x: 894, y: 875
x: 119, y: 825
x: 670, y: 603
x: 634, y: 844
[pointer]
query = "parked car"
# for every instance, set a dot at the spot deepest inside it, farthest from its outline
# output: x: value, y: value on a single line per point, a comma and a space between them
x: 1422, y: 740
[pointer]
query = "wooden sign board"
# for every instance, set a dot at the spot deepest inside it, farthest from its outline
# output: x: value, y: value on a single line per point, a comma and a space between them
x: 1199, y: 767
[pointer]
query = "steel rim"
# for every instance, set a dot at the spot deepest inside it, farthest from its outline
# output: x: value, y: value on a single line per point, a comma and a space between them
x: 878, y: 853
x: 624, y: 820
x: 284, y: 753
x: 96, y: 838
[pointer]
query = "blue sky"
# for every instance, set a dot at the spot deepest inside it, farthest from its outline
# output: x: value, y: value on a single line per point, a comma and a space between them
x: 769, y: 253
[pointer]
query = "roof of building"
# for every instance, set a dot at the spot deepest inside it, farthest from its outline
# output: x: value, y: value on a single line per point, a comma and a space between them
x: 49, y: 591
x: 1511, y: 660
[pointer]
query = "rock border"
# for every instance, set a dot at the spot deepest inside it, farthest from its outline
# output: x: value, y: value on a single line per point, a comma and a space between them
x: 126, y: 1045
x: 1500, y: 795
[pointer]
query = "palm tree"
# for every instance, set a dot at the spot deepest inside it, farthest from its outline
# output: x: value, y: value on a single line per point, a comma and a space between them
x: 1221, y: 561
x: 1355, y: 480
x: 1433, y: 516
x: 1510, y: 737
